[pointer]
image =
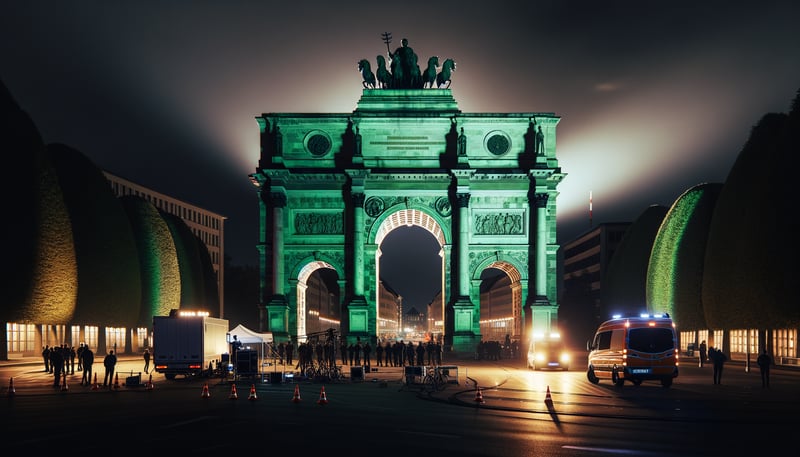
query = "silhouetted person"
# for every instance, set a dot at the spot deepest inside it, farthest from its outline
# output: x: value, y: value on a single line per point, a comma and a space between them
x: 146, y: 356
x: 289, y: 352
x: 46, y: 359
x: 87, y: 359
x: 110, y: 363
x: 703, y: 354
x: 56, y: 364
x: 718, y: 359
x: 764, y: 361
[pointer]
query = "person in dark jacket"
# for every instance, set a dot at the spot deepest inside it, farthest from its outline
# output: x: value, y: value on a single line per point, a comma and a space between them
x: 87, y: 359
x: 764, y: 361
x: 718, y: 359
x: 56, y: 364
x: 110, y: 363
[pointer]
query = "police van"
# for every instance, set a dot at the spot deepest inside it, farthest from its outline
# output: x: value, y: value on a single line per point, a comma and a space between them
x: 635, y: 349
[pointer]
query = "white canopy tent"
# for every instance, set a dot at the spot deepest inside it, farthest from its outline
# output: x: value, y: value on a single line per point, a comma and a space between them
x: 247, y: 336
x: 251, y: 339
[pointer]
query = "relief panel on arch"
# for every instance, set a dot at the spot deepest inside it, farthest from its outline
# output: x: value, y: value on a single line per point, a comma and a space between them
x: 494, y: 223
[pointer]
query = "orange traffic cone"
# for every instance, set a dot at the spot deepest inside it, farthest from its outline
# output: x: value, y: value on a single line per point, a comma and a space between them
x: 548, y: 400
x: 116, y: 381
x: 323, y: 399
x: 95, y: 386
x: 149, y: 385
x: 233, y: 395
x: 479, y: 397
x: 296, y: 396
x: 64, y: 386
x: 252, y: 395
x: 205, y: 393
x: 11, y: 390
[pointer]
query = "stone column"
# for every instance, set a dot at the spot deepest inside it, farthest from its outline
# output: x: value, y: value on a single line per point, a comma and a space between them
x: 540, y: 203
x: 462, y: 205
x: 278, y: 203
x: 358, y: 244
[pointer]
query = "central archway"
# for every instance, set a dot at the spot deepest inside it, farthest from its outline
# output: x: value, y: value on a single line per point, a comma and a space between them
x: 433, y: 324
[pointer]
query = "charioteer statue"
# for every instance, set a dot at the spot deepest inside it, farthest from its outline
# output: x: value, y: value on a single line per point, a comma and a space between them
x: 403, y: 71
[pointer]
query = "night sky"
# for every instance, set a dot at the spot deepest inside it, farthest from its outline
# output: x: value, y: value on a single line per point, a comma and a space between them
x: 655, y: 96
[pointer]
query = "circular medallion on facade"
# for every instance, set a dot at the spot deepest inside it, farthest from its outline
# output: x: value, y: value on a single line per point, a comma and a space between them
x: 498, y: 143
x: 317, y: 143
x: 373, y: 206
x: 443, y: 206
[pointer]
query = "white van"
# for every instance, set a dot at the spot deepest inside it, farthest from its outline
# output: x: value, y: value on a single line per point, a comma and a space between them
x: 634, y: 349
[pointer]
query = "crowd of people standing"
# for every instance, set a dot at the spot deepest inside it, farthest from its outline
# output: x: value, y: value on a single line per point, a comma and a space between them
x: 63, y: 360
x: 389, y: 353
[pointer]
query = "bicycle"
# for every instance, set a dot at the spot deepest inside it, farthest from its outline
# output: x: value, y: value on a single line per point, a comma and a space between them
x: 435, y: 379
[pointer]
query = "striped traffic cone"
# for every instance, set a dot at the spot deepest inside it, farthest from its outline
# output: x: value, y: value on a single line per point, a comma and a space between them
x: 205, y: 393
x: 95, y: 386
x: 548, y: 400
x: 252, y: 395
x: 296, y: 396
x: 323, y: 399
x: 233, y: 395
x: 116, y: 381
x: 479, y: 397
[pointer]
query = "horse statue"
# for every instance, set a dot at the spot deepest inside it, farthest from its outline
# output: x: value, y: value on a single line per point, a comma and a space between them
x: 382, y: 73
x: 429, y: 75
x: 366, y: 72
x: 443, y: 77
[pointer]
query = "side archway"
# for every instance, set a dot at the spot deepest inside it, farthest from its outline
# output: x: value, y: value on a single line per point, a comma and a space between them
x: 510, y: 315
x: 326, y: 311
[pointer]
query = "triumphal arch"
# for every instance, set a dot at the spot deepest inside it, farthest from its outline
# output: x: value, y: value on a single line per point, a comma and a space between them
x: 333, y: 185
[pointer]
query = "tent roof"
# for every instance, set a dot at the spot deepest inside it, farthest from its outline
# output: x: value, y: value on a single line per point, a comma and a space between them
x: 245, y: 335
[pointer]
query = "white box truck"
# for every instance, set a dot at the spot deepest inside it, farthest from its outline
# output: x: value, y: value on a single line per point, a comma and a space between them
x: 185, y: 343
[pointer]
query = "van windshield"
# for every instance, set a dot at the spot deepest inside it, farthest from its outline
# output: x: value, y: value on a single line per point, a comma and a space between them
x: 650, y: 339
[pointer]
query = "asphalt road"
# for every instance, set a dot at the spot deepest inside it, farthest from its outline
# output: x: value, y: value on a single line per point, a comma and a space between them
x: 489, y: 409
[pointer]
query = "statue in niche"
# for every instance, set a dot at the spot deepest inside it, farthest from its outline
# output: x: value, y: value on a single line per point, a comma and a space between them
x: 357, y: 145
x: 462, y: 143
x: 539, y: 145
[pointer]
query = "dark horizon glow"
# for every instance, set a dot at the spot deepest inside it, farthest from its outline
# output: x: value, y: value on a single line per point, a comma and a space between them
x: 654, y: 97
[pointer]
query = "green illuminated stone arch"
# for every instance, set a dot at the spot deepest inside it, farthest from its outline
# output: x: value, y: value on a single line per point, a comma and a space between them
x: 333, y: 185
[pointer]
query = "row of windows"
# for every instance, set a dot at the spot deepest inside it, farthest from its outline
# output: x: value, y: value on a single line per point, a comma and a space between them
x: 25, y: 338
x: 745, y: 341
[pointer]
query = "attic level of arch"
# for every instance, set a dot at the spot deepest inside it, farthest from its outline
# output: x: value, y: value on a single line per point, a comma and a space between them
x: 401, y: 132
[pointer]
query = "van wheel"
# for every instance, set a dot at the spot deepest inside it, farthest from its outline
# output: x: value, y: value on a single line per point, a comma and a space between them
x: 591, y: 376
x: 616, y: 379
x: 636, y: 382
x: 666, y: 382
